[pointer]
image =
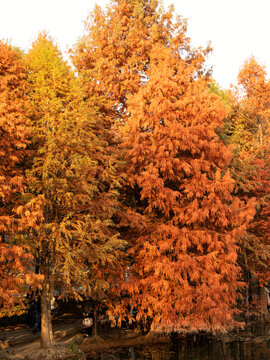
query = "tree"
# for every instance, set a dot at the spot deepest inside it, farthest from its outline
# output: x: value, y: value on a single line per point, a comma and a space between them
x: 113, y: 56
x: 247, y: 128
x: 73, y: 183
x: 252, y: 80
x: 179, y: 216
x: 185, y: 275
x: 14, y: 137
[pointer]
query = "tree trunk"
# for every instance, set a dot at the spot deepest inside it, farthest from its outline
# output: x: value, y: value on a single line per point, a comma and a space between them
x: 263, y: 302
x: 50, y: 311
x: 247, y: 291
x: 95, y: 321
x: 50, y: 320
x: 46, y: 321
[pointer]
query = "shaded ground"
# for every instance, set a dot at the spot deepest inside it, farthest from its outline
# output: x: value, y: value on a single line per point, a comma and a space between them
x: 66, y: 325
x: 19, y: 343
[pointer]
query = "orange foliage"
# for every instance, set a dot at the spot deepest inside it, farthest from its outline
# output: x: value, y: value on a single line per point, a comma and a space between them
x: 251, y: 166
x: 140, y: 109
x: 113, y: 56
x: 180, y: 217
x: 185, y: 274
x: 14, y: 135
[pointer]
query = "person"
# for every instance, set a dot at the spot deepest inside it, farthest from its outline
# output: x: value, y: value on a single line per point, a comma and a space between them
x: 54, y: 306
x: 87, y: 324
x: 268, y: 297
x: 33, y: 316
x: 36, y: 318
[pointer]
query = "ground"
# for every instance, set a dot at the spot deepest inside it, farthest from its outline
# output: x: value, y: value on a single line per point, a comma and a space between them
x: 19, y: 343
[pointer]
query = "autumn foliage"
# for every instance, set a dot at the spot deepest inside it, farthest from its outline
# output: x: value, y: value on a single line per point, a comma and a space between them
x: 185, y: 274
x: 14, y: 137
x: 252, y: 104
x: 133, y: 177
x: 181, y: 220
x: 73, y: 185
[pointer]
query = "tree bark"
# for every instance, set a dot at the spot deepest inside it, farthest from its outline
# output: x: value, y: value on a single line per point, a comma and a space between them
x: 94, y: 333
x: 46, y: 321
x: 263, y: 302
x: 50, y: 310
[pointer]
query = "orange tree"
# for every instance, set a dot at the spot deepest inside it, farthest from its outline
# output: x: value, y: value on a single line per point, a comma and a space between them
x: 14, y: 137
x: 249, y: 133
x: 112, y: 57
x: 179, y: 215
x: 73, y: 184
x: 185, y: 275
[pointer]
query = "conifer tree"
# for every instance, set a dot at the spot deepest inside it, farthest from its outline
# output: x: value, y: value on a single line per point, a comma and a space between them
x: 14, y: 137
x: 248, y: 130
x: 113, y: 55
x: 185, y: 275
x: 180, y: 218
x: 254, y: 89
x: 73, y: 184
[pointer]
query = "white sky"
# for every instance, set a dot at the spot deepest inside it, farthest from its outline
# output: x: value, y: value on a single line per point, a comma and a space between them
x: 236, y: 28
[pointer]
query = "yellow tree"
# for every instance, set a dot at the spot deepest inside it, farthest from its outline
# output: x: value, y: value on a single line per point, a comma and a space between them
x: 73, y: 183
x: 14, y: 137
x: 254, y: 92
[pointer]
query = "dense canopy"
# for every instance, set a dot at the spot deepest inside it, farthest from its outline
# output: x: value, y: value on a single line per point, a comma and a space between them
x: 133, y: 177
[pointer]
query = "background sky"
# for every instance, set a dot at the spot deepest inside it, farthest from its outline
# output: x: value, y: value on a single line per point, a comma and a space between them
x: 237, y: 29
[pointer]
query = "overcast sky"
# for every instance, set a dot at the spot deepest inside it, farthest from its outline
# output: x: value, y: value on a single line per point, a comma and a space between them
x: 236, y: 28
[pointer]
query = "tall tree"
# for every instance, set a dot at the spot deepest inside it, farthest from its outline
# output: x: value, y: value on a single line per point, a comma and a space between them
x: 185, y: 275
x: 179, y: 216
x: 247, y: 128
x: 14, y: 137
x: 73, y: 183
x: 113, y: 56
x: 253, y: 103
